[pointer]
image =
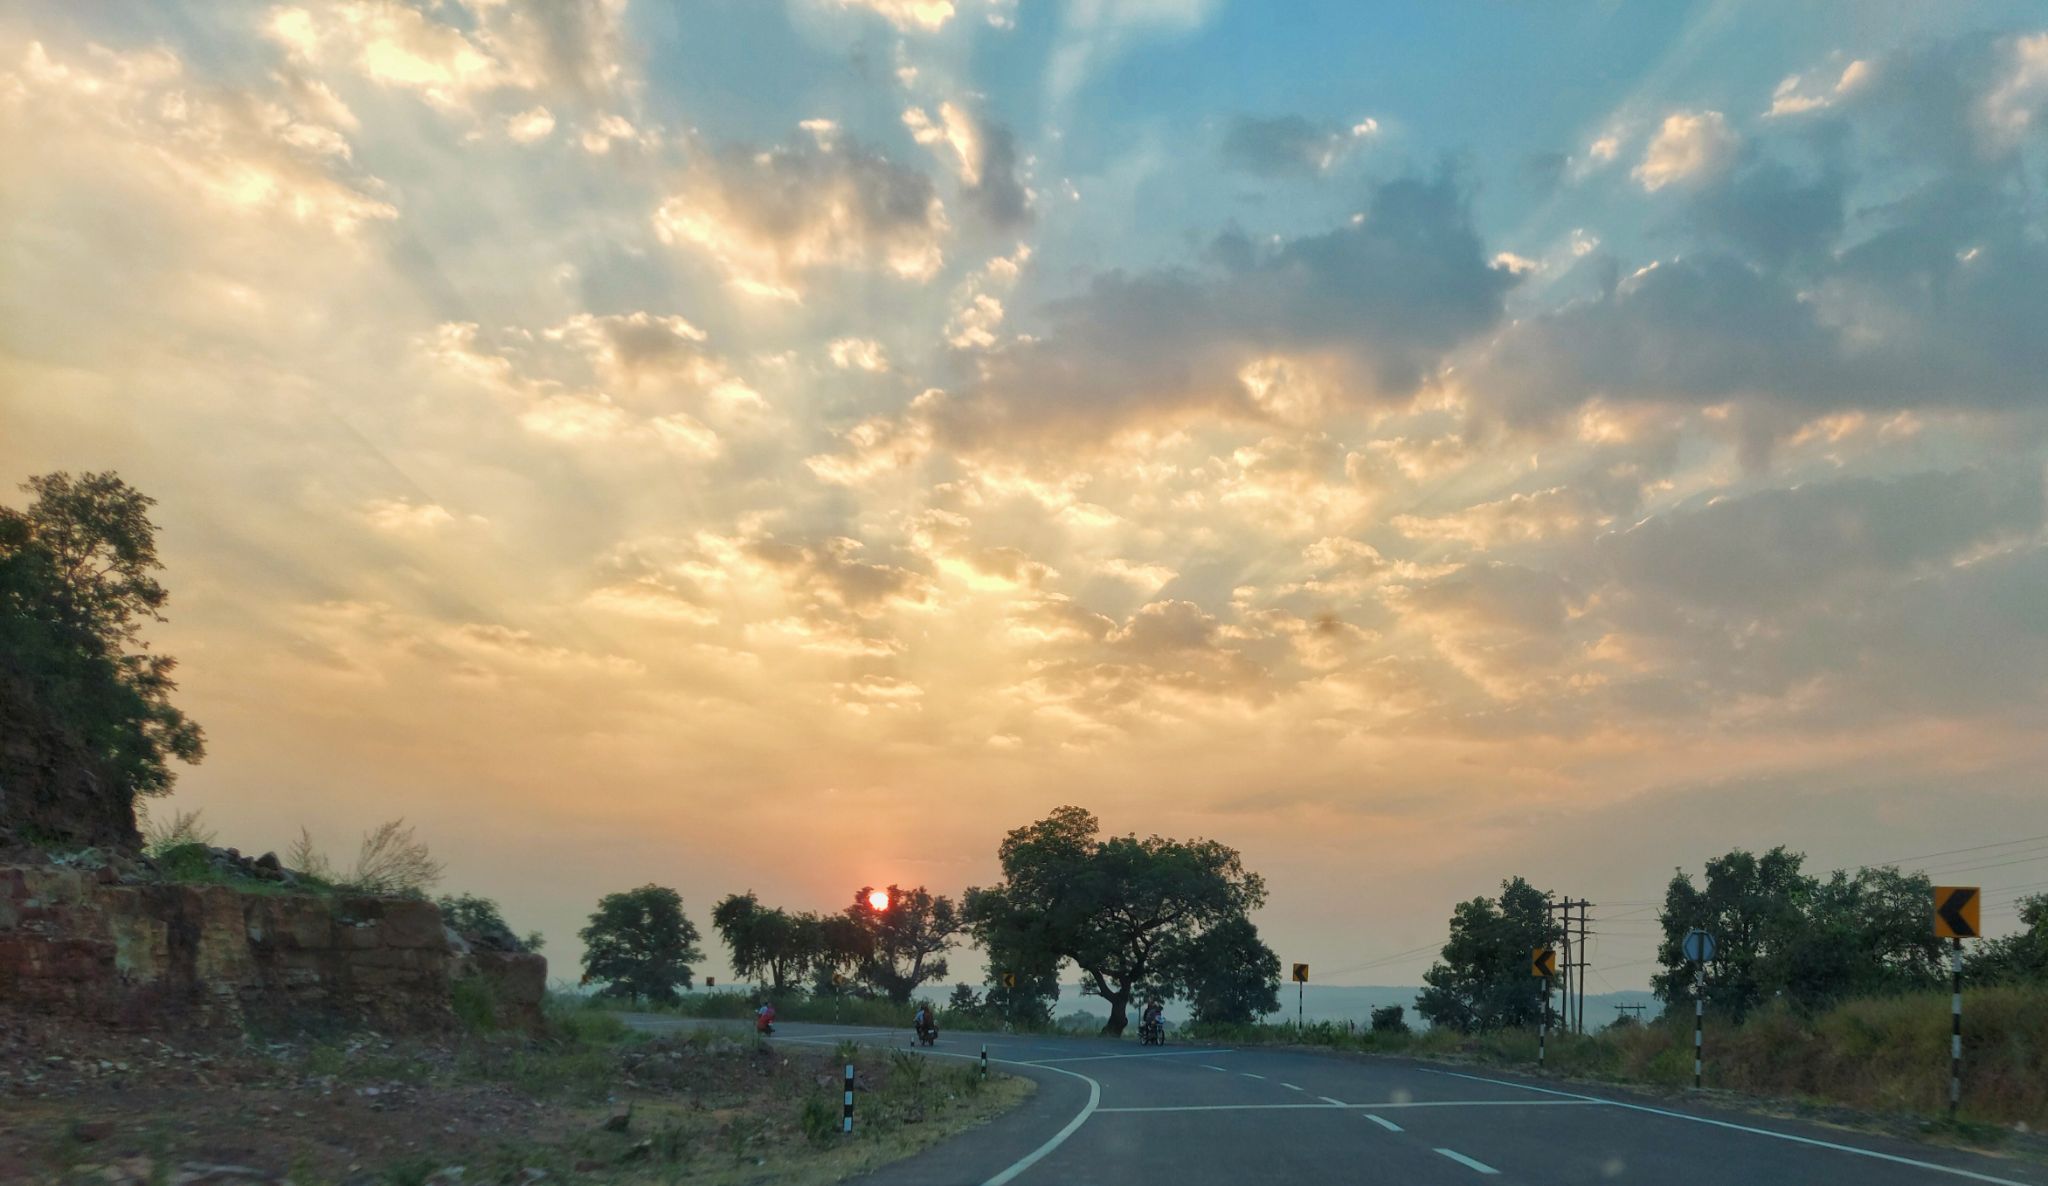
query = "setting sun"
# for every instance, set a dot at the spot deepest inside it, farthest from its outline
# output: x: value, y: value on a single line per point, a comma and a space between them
x: 878, y: 899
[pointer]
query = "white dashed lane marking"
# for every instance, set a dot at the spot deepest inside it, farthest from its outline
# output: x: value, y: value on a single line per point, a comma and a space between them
x: 1467, y: 1162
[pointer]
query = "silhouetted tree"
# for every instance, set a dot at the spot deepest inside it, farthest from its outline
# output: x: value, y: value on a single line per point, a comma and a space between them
x: 902, y: 946
x: 1119, y: 907
x: 1227, y: 974
x: 1483, y: 981
x: 639, y: 945
x: 77, y: 588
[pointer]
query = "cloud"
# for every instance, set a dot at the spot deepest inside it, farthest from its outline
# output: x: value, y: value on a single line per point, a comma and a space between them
x: 1289, y: 145
x: 1775, y: 549
x: 767, y: 217
x: 924, y: 16
x: 983, y: 154
x: 1690, y: 146
x: 529, y: 126
x: 284, y: 155
x: 567, y: 47
x: 863, y: 354
x: 1375, y: 303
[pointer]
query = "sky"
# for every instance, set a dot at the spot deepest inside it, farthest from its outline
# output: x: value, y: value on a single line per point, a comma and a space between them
x: 785, y: 444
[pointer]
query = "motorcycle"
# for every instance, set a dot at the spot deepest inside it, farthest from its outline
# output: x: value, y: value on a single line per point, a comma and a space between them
x: 1152, y: 1033
x: 927, y: 1034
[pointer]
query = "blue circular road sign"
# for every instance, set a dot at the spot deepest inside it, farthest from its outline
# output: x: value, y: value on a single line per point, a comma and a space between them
x: 1699, y: 946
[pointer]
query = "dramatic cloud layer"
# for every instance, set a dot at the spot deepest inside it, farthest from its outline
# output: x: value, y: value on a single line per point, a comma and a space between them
x: 577, y: 425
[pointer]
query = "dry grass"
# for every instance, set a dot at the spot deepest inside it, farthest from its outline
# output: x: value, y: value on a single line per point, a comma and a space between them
x: 1884, y: 1055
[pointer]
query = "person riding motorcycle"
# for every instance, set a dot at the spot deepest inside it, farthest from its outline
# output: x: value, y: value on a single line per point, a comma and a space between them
x: 1152, y: 1028
x: 925, y: 1023
x: 764, y: 1018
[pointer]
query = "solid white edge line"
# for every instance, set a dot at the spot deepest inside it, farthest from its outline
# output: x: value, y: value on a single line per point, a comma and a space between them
x: 1053, y: 1142
x: 1101, y: 1057
x: 1333, y: 1104
x: 1385, y: 1123
x: 1467, y: 1162
x: 1057, y: 1139
x: 1894, y: 1158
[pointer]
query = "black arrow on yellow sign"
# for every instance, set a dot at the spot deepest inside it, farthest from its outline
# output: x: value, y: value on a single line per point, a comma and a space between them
x: 1955, y: 911
x: 1543, y: 962
x: 1009, y: 980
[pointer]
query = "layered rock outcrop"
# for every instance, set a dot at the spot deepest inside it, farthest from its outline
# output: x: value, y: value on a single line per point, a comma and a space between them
x: 81, y: 943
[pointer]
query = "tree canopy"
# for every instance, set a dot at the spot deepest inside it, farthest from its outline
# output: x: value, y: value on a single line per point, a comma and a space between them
x: 77, y: 589
x: 1483, y: 981
x: 1127, y: 912
x: 639, y: 945
x: 1779, y: 933
x: 902, y: 946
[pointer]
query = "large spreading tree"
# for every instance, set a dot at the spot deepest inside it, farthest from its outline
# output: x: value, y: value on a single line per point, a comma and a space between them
x: 77, y: 591
x: 1127, y: 912
x: 639, y: 945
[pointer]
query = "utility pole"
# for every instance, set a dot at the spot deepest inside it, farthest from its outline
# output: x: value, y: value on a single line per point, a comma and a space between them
x: 1575, y: 930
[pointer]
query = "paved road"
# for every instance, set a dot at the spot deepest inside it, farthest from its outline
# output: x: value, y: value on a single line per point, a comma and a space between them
x: 1114, y: 1113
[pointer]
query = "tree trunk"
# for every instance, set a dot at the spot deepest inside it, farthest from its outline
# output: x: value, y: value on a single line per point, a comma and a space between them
x: 1119, y: 1017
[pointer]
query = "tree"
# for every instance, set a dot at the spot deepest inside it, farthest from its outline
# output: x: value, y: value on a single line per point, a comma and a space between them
x: 1756, y: 910
x: 768, y: 944
x: 478, y: 920
x: 1483, y: 981
x: 901, y: 946
x: 2014, y: 958
x: 639, y: 945
x: 964, y: 1002
x: 1389, y: 1019
x: 76, y: 589
x: 1227, y: 974
x: 1122, y: 909
x: 1861, y: 935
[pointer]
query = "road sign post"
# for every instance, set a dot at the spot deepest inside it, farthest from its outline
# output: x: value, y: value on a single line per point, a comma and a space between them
x: 1698, y: 947
x: 1956, y: 918
x: 1543, y: 964
x: 1300, y: 993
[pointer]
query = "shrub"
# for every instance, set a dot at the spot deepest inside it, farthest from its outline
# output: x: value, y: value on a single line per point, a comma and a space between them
x: 182, y: 829
x: 1389, y: 1019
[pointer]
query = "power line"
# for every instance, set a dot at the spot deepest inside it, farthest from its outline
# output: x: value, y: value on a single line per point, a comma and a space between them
x: 1972, y: 848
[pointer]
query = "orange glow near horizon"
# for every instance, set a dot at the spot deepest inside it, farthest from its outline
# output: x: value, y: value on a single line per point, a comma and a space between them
x: 878, y: 900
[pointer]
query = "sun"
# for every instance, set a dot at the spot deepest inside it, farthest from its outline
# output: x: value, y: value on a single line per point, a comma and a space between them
x: 878, y: 900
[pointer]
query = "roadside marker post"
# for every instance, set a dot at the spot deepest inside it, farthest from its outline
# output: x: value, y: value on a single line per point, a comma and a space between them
x: 1698, y: 946
x: 1543, y: 964
x: 984, y: 1060
x: 846, y: 1109
x: 1300, y: 993
x: 1956, y: 918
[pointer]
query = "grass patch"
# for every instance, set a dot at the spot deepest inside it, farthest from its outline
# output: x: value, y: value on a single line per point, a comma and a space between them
x: 1879, y: 1054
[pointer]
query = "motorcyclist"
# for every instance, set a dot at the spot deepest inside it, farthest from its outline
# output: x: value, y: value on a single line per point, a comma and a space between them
x: 923, y: 1020
x: 764, y: 1018
x: 1153, y: 1024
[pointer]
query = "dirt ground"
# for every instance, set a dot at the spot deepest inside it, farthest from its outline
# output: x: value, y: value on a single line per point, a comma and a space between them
x: 353, y: 1110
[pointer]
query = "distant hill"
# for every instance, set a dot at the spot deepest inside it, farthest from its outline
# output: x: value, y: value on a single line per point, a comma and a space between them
x: 1355, y: 1003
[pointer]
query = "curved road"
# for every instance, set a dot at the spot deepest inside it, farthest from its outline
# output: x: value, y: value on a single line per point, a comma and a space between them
x: 1113, y: 1112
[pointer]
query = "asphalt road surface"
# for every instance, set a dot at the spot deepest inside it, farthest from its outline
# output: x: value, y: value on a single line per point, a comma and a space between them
x: 1115, y: 1113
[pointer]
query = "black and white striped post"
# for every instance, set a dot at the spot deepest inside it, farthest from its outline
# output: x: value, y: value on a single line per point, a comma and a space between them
x: 846, y: 1109
x: 1699, y: 1027
x: 1543, y: 1027
x: 984, y: 1060
x: 1955, y: 1037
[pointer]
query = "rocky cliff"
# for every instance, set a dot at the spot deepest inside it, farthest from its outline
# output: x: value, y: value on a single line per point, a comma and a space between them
x: 79, y: 942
